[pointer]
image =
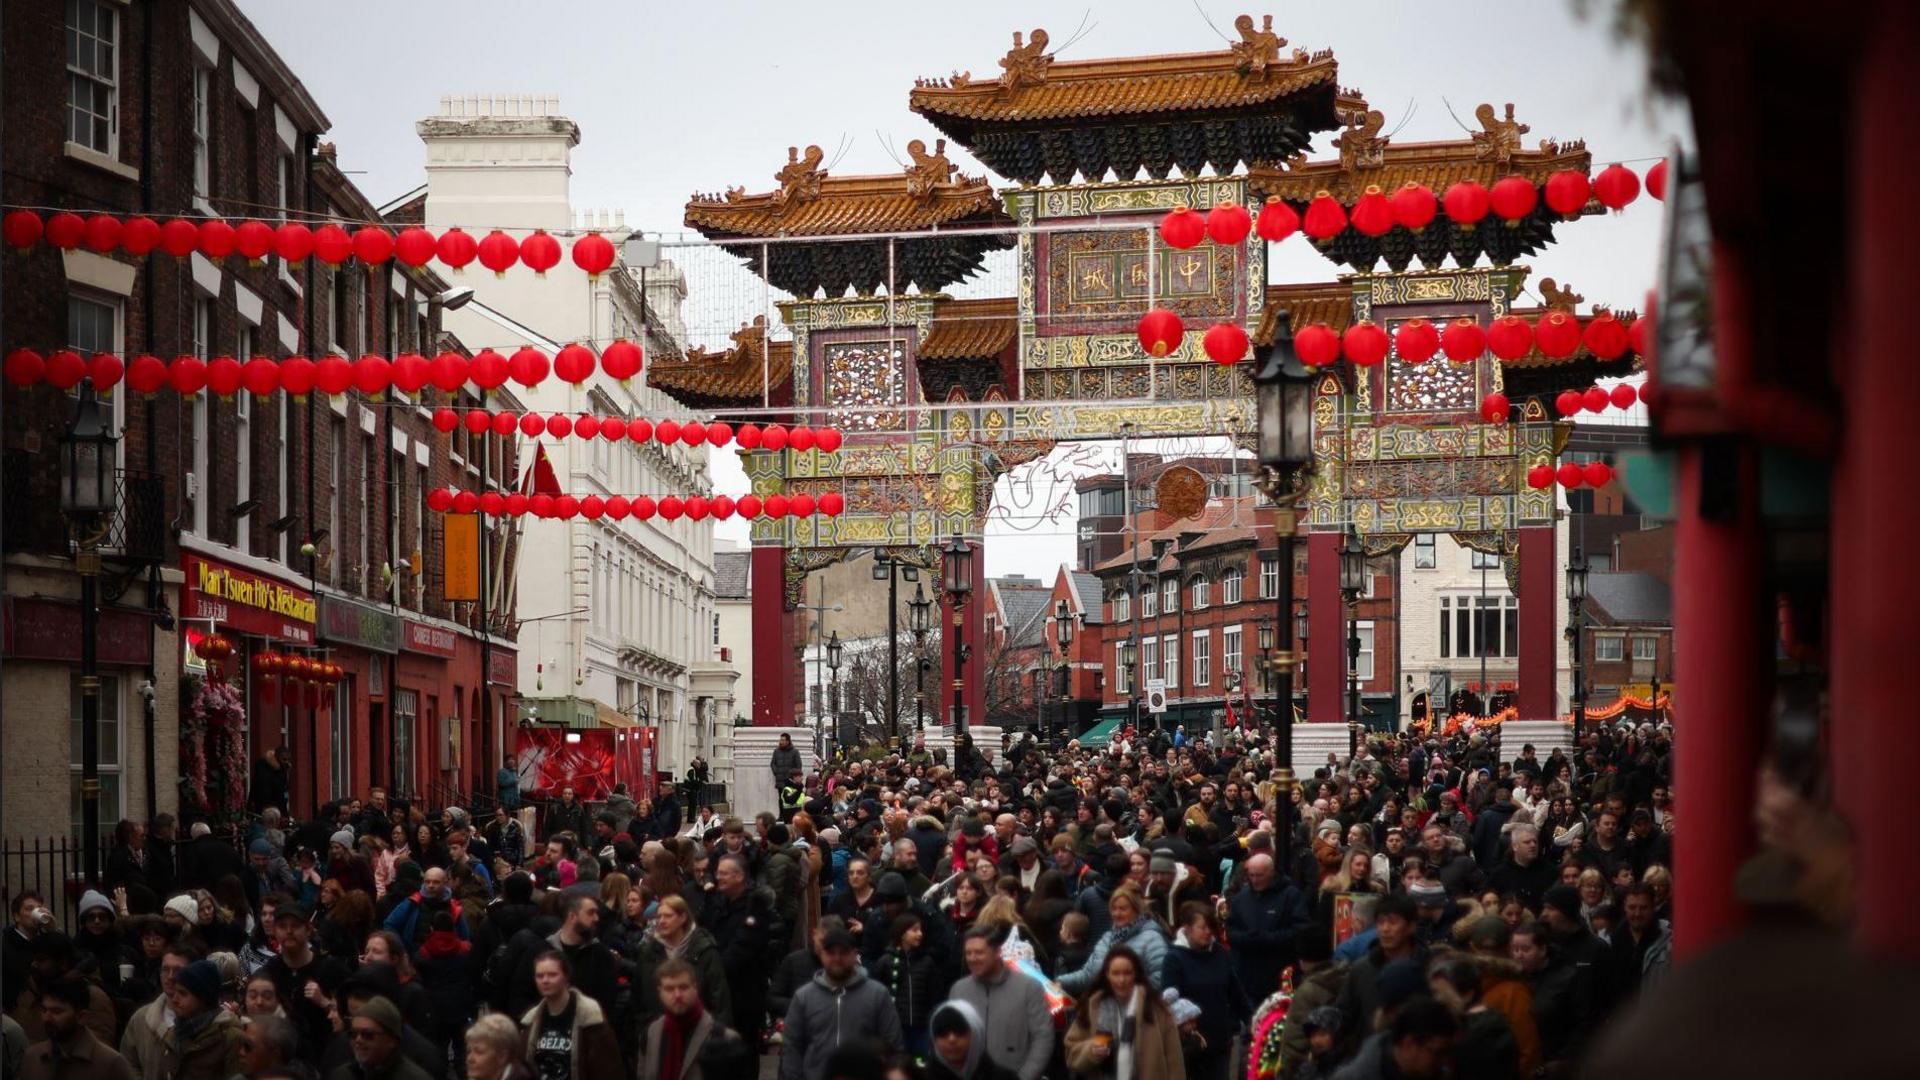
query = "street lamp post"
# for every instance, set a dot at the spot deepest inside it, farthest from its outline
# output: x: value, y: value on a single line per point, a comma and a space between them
x: 833, y: 690
x: 1576, y: 609
x: 86, y: 497
x: 1063, y: 633
x: 1266, y: 657
x: 891, y: 568
x: 1353, y: 582
x: 959, y: 586
x: 920, y: 617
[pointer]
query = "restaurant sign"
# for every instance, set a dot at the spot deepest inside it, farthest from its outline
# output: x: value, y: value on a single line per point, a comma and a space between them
x: 430, y: 639
x: 350, y: 622
x: 243, y: 600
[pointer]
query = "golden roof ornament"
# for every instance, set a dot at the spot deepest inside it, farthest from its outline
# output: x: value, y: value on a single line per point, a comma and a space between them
x: 1256, y: 48
x: 1558, y: 298
x: 1501, y: 138
x: 928, y: 171
x: 799, y: 178
x: 1181, y: 492
x: 1361, y: 144
x: 1025, y: 64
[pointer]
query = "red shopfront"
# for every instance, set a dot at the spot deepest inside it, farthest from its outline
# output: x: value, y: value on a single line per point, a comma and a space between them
x: 454, y: 681
x: 258, y: 613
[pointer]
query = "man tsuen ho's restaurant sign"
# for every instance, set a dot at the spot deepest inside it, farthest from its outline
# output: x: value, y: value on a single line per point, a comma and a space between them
x: 251, y: 603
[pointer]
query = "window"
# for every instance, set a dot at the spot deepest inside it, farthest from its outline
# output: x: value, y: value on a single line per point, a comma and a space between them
x: 1122, y: 607
x: 1269, y: 579
x: 406, y: 707
x: 1198, y: 587
x: 91, y: 325
x: 1644, y: 647
x: 342, y: 324
x: 1170, y: 662
x: 1149, y: 603
x: 1231, y: 584
x: 1123, y: 668
x: 336, y: 479
x: 1487, y: 622
x: 1169, y: 596
x: 1446, y: 626
x: 1485, y: 560
x: 1202, y: 658
x: 1609, y: 647
x: 1150, y: 656
x: 202, y: 131
x: 92, y: 74
x: 108, y: 726
x: 368, y: 467
x: 1365, y: 665
x: 416, y: 554
x: 340, y: 748
x: 1426, y: 554
x: 284, y: 193
x: 1231, y: 651
x: 200, y: 431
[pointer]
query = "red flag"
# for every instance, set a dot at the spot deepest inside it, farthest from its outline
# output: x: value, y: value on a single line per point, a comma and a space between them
x: 539, y: 478
x: 1232, y: 721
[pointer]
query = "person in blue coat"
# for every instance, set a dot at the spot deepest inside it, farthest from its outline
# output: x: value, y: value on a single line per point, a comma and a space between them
x: 1262, y: 921
x: 1132, y: 927
x: 412, y: 918
x: 1200, y: 969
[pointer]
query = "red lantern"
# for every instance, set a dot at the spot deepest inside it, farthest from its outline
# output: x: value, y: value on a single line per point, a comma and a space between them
x: 448, y: 371
x: 372, y: 244
x: 593, y: 253
x: 1467, y: 202
x: 1647, y: 391
x: 1597, y: 474
x: 1364, y: 343
x: 223, y: 375
x: 719, y: 434
x: 592, y: 507
x: 103, y: 233
x: 261, y: 376
x: 187, y: 375
x: 493, y: 504
x: 1513, y: 198
x: 1463, y: 341
x: 1225, y: 343
x: 332, y: 245
x: 465, y: 502
x: 332, y: 374
x: 528, y: 366
x: 643, y: 507
x: 773, y: 436
x: 414, y: 246
x: 722, y: 507
x: 65, y: 369
x: 1277, y: 221
x: 1182, y: 228
x: 559, y: 425
x: 147, y: 374
x: 372, y: 374
x: 621, y: 360
x: 66, y: 230
x: 1228, y: 224
x: 1540, y: 476
x: 141, y: 235
x: 1605, y: 337
x: 618, y: 507
x: 255, y: 240
x: 1414, y: 206
x: 1623, y: 395
x: 1567, y: 192
x: 478, y: 421
x: 1637, y: 332
x: 445, y: 419
x: 613, y: 428
x: 1494, y: 408
x: 297, y: 376
x: 179, y: 238
x: 517, y: 504
x: 540, y: 506
x: 1558, y: 334
x: 505, y: 423
x: 639, y: 430
x: 833, y: 503
x: 1316, y: 344
x: 672, y: 507
x: 1325, y: 217
x: 697, y: 508
x: 749, y: 437
x: 749, y: 506
x: 1160, y: 332
x: 498, y: 252
x: 1510, y: 337
x: 540, y: 252
x: 1568, y: 403
x: 1570, y: 475
x: 24, y: 367
x: 775, y: 506
x: 1657, y: 180
x: 457, y: 249
x: 21, y: 229
x: 487, y: 369
x: 573, y: 363
x: 1616, y: 186
x: 800, y: 438
x: 800, y: 505
x: 439, y: 500
x: 1372, y: 213
x: 1595, y: 399
x: 587, y: 427
x: 216, y: 239
x: 693, y: 433
x: 410, y: 372
x: 105, y: 369
x: 827, y: 439
x: 293, y: 241
x: 532, y: 425
x: 1416, y: 341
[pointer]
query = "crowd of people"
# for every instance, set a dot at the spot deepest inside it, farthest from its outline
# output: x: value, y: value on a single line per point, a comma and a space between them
x: 1162, y: 907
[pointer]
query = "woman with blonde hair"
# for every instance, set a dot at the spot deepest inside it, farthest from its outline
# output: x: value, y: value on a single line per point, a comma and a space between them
x: 494, y: 1049
x: 675, y: 936
x: 1001, y: 916
x: 1130, y: 927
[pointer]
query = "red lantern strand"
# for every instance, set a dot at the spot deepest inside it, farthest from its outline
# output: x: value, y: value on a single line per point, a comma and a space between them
x: 641, y: 507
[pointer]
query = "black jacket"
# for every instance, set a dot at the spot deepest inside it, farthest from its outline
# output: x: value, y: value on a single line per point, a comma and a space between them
x: 792, y: 973
x: 561, y: 817
x: 1530, y: 883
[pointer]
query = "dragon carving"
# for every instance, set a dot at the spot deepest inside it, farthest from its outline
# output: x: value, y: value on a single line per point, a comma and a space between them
x: 1501, y: 138
x: 1026, y: 63
x: 1256, y: 48
x: 799, y: 178
x: 928, y: 171
x: 1361, y: 144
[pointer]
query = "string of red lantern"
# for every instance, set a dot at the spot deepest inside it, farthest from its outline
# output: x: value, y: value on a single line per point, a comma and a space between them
x: 639, y: 507
x: 1556, y: 334
x: 639, y: 430
x: 1570, y: 475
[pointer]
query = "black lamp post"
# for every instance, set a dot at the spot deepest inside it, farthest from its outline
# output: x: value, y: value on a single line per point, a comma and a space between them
x: 920, y: 618
x: 959, y: 586
x: 1063, y: 633
x: 833, y: 689
x: 1576, y: 609
x: 87, y: 499
x: 1353, y: 582
x: 1283, y: 398
x: 891, y: 568
x: 1266, y: 658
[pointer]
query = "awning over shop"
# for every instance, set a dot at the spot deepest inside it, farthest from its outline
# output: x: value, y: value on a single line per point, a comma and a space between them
x: 1100, y: 734
x: 612, y: 718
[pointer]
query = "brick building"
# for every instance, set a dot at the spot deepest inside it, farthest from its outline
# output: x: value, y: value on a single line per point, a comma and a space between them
x: 181, y: 108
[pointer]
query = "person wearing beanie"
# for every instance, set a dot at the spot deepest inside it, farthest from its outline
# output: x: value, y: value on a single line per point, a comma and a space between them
x: 204, y: 1042
x: 183, y: 912
x: 100, y: 941
x: 375, y: 1031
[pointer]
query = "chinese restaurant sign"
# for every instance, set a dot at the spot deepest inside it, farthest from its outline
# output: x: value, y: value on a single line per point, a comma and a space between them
x: 248, y: 602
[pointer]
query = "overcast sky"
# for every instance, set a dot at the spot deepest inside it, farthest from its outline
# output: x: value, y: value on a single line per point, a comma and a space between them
x: 678, y: 97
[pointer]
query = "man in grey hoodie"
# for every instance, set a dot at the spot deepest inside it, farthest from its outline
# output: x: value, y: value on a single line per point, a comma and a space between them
x: 1015, y: 1026
x: 840, y: 1007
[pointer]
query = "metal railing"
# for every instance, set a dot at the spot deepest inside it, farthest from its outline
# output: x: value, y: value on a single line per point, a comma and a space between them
x: 50, y: 866
x: 31, y: 520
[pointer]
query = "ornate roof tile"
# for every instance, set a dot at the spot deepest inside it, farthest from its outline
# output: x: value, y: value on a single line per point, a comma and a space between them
x: 970, y: 329
x: 728, y: 377
x: 809, y: 202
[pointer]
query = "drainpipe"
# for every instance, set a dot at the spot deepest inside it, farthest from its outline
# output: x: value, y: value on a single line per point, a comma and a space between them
x: 156, y: 597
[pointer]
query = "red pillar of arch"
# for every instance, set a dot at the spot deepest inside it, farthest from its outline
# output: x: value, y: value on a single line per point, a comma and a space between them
x: 1326, y: 631
x: 1538, y: 692
x: 773, y: 638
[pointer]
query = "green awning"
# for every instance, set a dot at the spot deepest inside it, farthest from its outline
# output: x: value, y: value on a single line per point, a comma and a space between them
x: 1100, y: 734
